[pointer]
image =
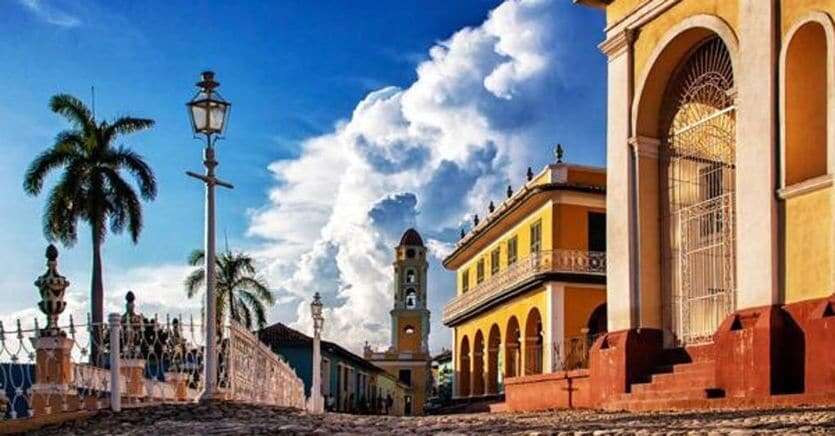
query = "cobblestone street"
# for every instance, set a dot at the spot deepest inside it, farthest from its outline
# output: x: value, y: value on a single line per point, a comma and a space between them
x: 238, y: 419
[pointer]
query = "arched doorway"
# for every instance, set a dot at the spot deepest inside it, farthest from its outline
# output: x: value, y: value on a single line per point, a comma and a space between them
x: 533, y: 343
x: 512, y: 349
x: 698, y: 177
x: 464, y: 368
x: 478, y: 364
x: 494, y: 343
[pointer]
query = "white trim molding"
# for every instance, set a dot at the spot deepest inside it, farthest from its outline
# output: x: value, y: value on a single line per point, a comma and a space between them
x: 805, y: 187
x: 618, y: 43
x: 640, y: 15
x: 710, y: 22
x: 645, y: 146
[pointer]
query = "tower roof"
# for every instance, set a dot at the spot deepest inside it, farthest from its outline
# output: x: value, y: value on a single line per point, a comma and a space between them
x: 411, y: 237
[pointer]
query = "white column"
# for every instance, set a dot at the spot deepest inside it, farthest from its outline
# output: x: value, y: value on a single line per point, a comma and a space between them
x: 115, y: 321
x: 756, y: 205
x: 554, y: 334
x: 316, y: 401
x: 620, y: 219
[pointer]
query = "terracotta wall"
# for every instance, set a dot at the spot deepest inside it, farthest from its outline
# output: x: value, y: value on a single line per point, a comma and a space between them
x: 559, y: 390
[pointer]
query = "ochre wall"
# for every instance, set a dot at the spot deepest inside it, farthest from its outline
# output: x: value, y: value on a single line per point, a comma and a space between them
x: 619, y: 9
x: 654, y: 31
x: 571, y: 226
x: 519, y: 307
x: 806, y: 104
x: 523, y: 245
x: 579, y: 305
x: 793, y: 10
x: 583, y: 176
x: 808, y: 246
x: 408, y: 342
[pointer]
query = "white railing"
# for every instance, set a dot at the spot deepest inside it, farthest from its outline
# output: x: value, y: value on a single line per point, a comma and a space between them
x: 552, y: 261
x: 157, y: 362
x: 252, y: 373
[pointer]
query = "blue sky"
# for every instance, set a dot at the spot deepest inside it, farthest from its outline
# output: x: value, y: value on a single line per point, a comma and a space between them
x: 351, y: 121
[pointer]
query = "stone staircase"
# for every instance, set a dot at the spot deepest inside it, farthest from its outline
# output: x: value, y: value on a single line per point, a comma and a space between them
x: 674, y: 385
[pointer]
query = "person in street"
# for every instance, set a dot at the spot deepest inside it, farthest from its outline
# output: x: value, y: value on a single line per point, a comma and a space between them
x: 389, y: 403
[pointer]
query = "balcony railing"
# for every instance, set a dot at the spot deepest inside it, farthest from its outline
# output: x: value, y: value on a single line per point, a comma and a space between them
x: 553, y: 261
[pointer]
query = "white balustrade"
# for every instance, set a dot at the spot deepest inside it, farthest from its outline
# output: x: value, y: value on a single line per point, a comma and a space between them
x: 551, y: 261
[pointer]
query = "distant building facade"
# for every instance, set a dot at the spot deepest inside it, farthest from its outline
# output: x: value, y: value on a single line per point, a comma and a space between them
x: 408, y: 357
x: 350, y: 383
x: 531, y: 281
x: 443, y: 372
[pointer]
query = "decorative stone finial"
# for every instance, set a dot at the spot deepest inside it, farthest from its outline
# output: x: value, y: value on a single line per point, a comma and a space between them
x: 559, y: 153
x: 509, y: 191
x: 130, y: 304
x: 52, y: 286
x: 530, y: 174
x: 491, y: 207
x: 475, y: 219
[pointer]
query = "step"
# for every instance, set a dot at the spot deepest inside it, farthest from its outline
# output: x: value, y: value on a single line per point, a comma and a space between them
x: 676, y: 394
x: 701, y: 366
x: 673, y: 379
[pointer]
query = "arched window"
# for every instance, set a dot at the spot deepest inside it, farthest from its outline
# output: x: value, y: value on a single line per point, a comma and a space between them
x: 805, y: 104
x: 411, y: 276
x: 411, y: 299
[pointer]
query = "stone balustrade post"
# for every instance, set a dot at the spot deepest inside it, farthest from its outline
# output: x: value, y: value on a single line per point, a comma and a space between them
x: 132, y: 365
x: 52, y: 391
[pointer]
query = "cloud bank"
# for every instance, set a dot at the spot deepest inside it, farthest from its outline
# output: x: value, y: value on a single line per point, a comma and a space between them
x: 49, y: 13
x: 427, y: 155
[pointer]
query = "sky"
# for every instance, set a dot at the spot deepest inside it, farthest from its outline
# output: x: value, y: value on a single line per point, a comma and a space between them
x: 351, y: 121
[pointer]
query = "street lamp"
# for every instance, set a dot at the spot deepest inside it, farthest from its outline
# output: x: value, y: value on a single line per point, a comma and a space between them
x: 316, y: 404
x: 209, y: 112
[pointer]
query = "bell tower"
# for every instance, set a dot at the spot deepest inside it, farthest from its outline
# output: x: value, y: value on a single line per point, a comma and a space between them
x: 410, y: 315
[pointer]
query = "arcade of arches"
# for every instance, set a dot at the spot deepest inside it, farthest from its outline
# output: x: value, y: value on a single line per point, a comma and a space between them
x: 516, y: 339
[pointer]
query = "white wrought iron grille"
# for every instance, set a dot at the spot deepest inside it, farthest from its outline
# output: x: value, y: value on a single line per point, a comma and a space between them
x: 698, y: 161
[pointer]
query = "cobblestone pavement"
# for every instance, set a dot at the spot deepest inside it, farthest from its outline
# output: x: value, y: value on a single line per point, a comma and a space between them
x: 223, y: 418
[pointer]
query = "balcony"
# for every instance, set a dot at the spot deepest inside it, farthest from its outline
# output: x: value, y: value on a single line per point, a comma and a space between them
x: 582, y: 263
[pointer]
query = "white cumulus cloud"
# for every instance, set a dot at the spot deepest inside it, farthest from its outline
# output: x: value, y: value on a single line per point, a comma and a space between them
x: 426, y: 155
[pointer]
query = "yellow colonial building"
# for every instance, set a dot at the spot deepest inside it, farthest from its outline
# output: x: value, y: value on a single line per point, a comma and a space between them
x: 530, y: 280
x: 720, y: 155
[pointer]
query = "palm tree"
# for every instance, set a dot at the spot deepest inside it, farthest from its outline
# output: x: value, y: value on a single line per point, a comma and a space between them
x: 91, y: 187
x: 240, y: 292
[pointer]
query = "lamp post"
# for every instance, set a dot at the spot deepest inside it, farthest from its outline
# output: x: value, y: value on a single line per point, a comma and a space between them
x: 209, y: 112
x: 316, y: 403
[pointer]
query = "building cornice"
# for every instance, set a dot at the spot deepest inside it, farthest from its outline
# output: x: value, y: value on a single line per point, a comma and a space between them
x: 640, y: 15
x: 617, y: 44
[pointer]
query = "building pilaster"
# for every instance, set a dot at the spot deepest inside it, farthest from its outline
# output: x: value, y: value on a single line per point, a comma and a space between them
x: 622, y: 273
x: 756, y: 203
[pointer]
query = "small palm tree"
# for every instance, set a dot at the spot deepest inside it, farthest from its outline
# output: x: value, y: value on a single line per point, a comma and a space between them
x: 240, y: 293
x: 91, y: 187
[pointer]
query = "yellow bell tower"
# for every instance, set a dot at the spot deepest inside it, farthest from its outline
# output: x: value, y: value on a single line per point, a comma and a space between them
x: 410, y: 317
x: 408, y: 357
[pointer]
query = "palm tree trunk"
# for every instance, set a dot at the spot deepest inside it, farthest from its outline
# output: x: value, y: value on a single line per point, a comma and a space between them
x: 96, y: 298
